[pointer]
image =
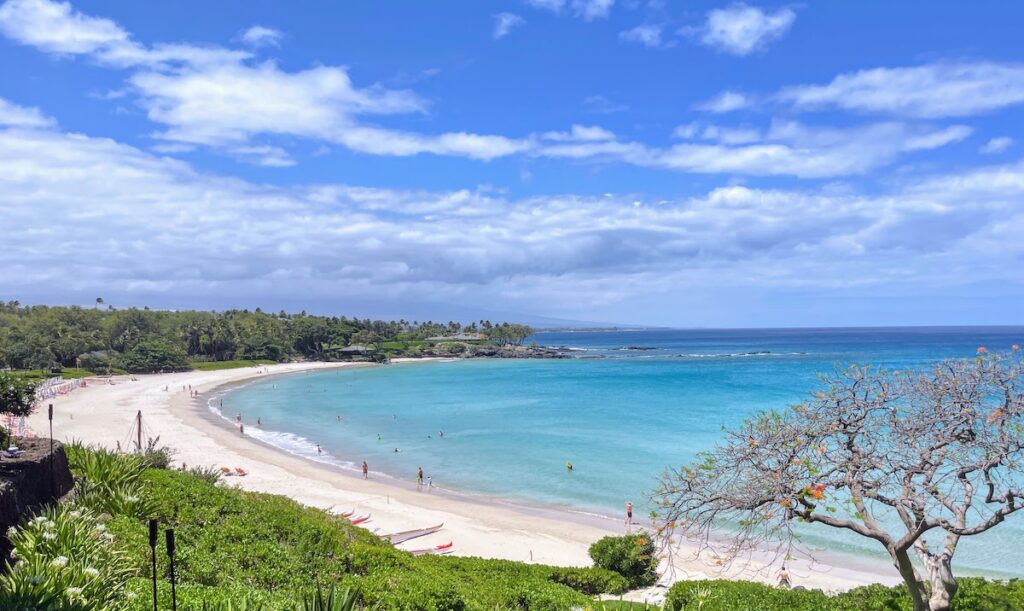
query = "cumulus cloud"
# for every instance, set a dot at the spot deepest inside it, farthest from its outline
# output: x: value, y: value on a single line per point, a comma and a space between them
x: 929, y: 91
x: 260, y: 36
x: 218, y: 98
x: 741, y: 29
x: 727, y: 101
x: 786, y: 148
x: 548, y: 5
x: 155, y: 225
x: 504, y: 22
x: 996, y: 145
x: 588, y: 10
x: 646, y: 35
x: 12, y: 115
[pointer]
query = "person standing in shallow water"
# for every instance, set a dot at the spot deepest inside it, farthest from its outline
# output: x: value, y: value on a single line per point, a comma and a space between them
x: 629, y: 516
x: 366, y: 470
x: 419, y: 478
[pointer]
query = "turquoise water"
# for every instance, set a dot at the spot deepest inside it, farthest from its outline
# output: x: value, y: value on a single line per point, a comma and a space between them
x: 619, y: 415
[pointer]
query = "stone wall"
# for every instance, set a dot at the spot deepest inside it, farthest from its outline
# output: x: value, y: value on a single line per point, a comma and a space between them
x: 27, y: 483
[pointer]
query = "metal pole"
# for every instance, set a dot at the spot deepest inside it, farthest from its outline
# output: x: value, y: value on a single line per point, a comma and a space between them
x: 152, y: 549
x: 170, y: 554
x: 53, y: 471
x: 138, y: 425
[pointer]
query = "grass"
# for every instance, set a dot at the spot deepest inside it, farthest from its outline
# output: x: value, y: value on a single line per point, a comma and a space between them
x: 70, y: 373
x: 218, y: 365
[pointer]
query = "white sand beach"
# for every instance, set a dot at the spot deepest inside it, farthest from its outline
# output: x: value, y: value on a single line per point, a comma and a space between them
x: 104, y: 413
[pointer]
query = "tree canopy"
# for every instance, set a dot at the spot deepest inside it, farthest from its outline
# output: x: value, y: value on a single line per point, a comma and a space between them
x: 34, y: 337
x: 914, y: 460
x: 17, y: 395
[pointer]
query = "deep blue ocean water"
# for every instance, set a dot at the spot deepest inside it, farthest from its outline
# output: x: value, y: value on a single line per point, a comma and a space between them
x: 619, y: 415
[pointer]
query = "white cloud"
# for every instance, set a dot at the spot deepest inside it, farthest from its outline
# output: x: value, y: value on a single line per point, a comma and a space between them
x: 996, y: 145
x: 504, y: 22
x: 580, y: 133
x: 601, y: 105
x: 260, y: 36
x: 155, y: 225
x: 741, y: 29
x: 786, y: 148
x: 727, y: 101
x: 216, y: 97
x: 55, y: 27
x: 588, y: 10
x: 12, y: 115
x: 548, y: 5
x: 647, y: 35
x: 928, y: 91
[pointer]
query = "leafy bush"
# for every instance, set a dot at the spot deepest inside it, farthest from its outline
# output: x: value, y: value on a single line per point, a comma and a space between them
x: 591, y: 581
x: 975, y: 594
x: 64, y: 559
x: 107, y: 482
x: 632, y: 556
x: 156, y: 456
x: 154, y: 355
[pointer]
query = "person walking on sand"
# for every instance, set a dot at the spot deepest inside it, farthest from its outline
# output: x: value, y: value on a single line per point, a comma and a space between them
x: 241, y: 429
x: 784, y: 579
x: 629, y: 515
x: 366, y: 470
x: 419, y: 478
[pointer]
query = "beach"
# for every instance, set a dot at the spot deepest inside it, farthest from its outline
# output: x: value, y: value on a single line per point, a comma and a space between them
x: 104, y: 414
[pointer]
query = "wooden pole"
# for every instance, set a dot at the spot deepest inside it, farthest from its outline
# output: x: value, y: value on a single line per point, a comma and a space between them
x: 138, y: 431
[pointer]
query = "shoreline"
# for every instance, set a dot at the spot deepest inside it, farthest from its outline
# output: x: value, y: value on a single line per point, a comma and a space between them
x: 478, y: 526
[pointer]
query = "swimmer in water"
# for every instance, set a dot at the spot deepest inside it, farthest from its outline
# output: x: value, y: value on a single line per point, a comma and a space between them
x: 568, y: 466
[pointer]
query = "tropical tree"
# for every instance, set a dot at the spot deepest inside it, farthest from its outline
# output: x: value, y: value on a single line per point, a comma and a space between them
x: 17, y: 398
x: 912, y: 460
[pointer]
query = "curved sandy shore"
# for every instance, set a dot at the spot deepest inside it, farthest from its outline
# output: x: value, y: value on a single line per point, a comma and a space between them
x: 104, y: 414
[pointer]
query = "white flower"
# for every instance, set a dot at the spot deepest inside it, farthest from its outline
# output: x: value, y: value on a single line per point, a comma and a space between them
x: 37, y: 520
x: 101, y: 528
x: 49, y: 536
x: 90, y: 571
x: 59, y: 562
x: 74, y: 593
x: 74, y: 513
x: 11, y: 532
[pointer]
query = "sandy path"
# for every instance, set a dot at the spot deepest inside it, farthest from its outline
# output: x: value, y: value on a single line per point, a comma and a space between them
x: 104, y: 414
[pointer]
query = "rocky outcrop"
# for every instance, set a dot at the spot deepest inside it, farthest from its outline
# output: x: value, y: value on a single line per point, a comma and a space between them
x: 29, y: 482
x: 468, y: 350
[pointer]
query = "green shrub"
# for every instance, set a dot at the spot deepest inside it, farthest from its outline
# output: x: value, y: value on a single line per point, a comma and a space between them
x: 64, y: 558
x: 591, y: 581
x: 975, y: 594
x: 632, y: 556
x: 107, y: 482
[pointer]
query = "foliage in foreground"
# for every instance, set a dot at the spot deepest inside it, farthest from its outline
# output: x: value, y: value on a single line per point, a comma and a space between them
x: 721, y: 595
x: 64, y: 559
x: 632, y: 556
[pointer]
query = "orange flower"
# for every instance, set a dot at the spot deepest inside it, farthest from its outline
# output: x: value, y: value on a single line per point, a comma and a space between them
x: 995, y: 416
x: 821, y: 449
x: 785, y: 503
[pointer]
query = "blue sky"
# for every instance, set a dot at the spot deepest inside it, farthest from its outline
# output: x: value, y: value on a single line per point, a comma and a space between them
x: 686, y: 164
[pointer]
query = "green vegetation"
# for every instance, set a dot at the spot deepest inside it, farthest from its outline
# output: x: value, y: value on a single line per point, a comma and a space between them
x: 235, y: 364
x: 719, y: 595
x: 143, y: 340
x: 632, y: 556
x: 244, y: 551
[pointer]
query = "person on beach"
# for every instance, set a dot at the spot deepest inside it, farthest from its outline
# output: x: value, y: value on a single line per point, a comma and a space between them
x: 118, y: 447
x: 238, y: 417
x: 784, y: 579
x: 419, y: 478
x: 629, y: 515
x: 241, y: 429
x: 259, y: 422
x: 318, y: 450
x: 430, y: 483
x: 366, y: 470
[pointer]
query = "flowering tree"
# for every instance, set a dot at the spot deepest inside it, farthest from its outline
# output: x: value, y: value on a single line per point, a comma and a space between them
x: 912, y: 460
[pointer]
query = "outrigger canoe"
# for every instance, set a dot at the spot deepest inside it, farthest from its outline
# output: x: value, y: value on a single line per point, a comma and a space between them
x: 360, y: 519
x: 439, y: 549
x: 406, y: 535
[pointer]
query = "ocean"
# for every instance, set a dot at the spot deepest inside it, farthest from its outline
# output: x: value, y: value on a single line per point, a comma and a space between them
x: 626, y: 406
